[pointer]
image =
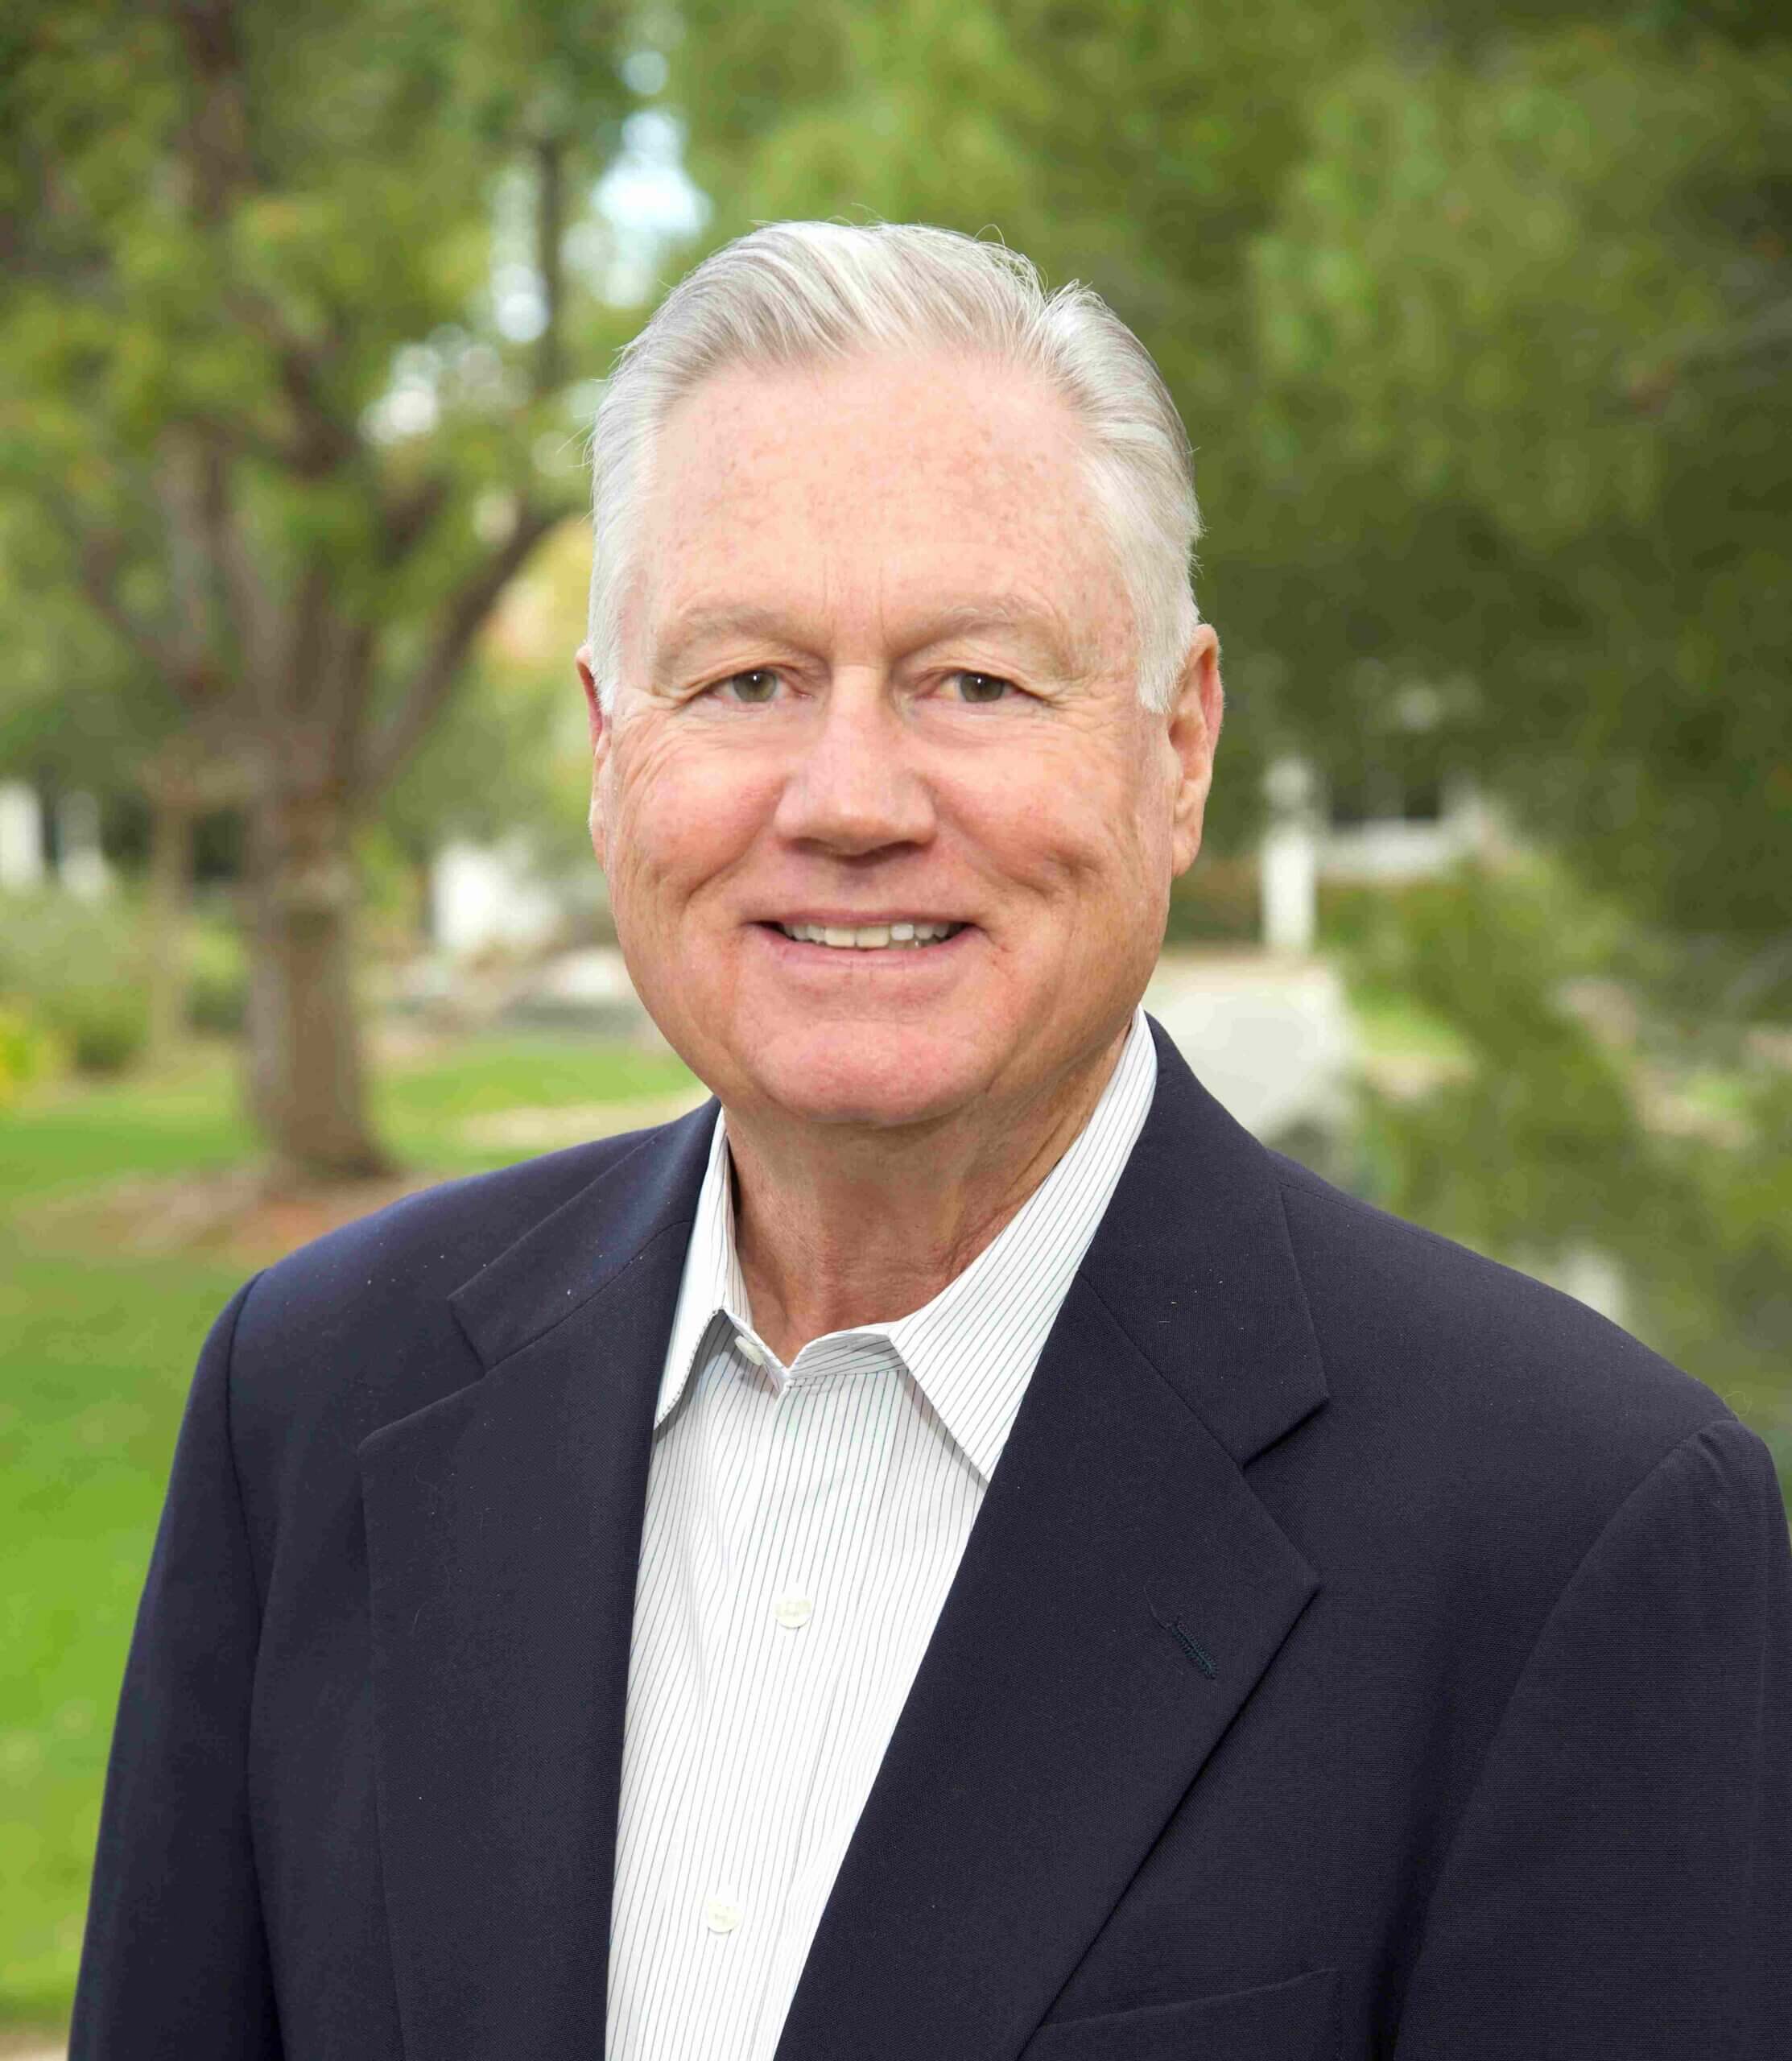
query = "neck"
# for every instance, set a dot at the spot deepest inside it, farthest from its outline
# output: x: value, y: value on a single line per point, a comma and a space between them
x: 837, y: 1227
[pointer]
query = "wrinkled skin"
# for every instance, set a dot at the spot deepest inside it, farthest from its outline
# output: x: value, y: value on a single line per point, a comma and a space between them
x: 877, y: 663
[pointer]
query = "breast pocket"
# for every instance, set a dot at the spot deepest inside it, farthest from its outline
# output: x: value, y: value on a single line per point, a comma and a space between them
x: 1295, y: 2021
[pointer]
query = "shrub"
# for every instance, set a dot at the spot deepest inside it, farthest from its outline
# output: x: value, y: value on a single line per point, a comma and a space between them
x: 27, y: 1053
x: 74, y: 967
x: 217, y: 996
x: 105, y: 1024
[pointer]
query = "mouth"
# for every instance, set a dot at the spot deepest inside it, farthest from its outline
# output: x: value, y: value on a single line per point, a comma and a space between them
x: 906, y: 934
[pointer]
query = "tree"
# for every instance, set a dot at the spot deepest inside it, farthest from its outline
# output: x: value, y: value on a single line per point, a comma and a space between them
x: 73, y: 714
x: 1527, y: 307
x: 296, y: 299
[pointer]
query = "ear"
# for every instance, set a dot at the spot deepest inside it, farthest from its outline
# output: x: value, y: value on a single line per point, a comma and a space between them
x: 1193, y: 719
x: 598, y: 724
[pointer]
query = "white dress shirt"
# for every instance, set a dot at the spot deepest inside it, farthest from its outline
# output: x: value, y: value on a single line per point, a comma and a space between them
x: 803, y: 1525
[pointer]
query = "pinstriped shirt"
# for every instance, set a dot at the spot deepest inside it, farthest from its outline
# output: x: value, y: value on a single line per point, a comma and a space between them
x: 802, y: 1527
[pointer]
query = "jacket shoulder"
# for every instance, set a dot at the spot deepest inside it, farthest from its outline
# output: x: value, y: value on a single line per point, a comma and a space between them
x: 359, y: 1319
x: 424, y: 1244
x: 1409, y: 1320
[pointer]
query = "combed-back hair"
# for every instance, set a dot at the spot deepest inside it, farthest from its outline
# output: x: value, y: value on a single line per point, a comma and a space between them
x: 795, y: 293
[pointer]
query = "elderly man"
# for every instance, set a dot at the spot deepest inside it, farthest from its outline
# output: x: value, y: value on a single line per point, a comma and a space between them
x: 956, y: 1551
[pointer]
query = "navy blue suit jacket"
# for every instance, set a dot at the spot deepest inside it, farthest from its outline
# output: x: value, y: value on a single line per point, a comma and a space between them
x: 1361, y: 1650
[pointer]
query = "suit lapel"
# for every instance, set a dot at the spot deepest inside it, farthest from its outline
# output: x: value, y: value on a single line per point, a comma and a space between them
x: 504, y: 1526
x: 1121, y: 1593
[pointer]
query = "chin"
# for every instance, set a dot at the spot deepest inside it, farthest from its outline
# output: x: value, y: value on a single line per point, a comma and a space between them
x: 856, y: 1074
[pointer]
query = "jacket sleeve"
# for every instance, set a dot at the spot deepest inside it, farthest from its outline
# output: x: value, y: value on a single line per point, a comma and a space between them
x: 176, y: 1961
x: 1620, y: 1883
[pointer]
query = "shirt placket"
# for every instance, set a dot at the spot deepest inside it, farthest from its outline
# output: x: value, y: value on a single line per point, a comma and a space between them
x: 850, y: 1445
x: 762, y: 1715
x: 699, y: 1912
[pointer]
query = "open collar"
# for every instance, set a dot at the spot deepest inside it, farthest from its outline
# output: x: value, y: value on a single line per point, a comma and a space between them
x: 973, y: 1347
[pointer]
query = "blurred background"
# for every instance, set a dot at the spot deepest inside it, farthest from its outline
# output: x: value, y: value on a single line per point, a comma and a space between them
x: 1480, y: 318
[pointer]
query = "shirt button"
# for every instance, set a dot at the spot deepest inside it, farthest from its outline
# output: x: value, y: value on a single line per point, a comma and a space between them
x: 793, y: 1612
x: 748, y: 1350
x: 720, y: 1915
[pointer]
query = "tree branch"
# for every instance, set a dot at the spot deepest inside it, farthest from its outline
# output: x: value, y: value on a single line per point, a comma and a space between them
x: 216, y: 139
x: 460, y: 621
x: 323, y: 443
x: 304, y: 660
x: 408, y: 518
x: 351, y: 685
x: 97, y: 556
x: 550, y: 231
x: 228, y: 613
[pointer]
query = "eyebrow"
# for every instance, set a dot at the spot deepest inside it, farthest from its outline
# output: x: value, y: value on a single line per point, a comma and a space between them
x: 1005, y: 612
x: 721, y: 619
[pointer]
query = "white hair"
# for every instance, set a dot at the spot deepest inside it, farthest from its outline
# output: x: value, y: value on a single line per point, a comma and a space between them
x: 794, y: 293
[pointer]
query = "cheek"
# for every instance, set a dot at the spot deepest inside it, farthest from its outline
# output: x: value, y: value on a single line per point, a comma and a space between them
x: 680, y: 817
x: 1070, y: 824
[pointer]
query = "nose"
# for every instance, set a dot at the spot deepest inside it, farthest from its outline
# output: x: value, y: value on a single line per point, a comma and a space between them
x: 853, y: 786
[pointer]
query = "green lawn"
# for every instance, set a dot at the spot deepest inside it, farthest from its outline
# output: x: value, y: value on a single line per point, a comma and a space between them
x: 97, y: 1346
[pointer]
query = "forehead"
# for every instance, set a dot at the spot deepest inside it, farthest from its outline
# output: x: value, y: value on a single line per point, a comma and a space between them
x: 887, y: 485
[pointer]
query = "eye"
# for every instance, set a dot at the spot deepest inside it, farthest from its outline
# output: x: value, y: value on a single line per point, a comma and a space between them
x: 758, y: 685
x: 979, y: 689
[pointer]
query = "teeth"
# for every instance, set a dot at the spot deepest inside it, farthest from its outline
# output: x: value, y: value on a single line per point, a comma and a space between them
x: 869, y: 937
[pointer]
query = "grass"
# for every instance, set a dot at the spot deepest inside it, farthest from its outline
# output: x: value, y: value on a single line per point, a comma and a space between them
x: 97, y: 1355
x: 96, y: 1347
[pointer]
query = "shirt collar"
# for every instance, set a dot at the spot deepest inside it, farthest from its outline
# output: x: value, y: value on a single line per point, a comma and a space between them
x: 972, y: 1350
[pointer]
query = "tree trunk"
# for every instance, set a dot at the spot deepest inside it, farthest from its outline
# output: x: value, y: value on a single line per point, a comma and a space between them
x: 306, y: 1089
x: 170, y: 895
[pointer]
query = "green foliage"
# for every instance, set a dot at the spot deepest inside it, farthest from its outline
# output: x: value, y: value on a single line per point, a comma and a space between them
x: 1504, y: 268
x: 28, y: 1052
x: 1546, y: 1142
x: 104, y: 1022
x: 255, y: 284
x: 1566, y: 1121
x: 74, y: 967
x: 512, y: 753
x: 302, y: 312
x: 217, y: 990
x: 1526, y: 311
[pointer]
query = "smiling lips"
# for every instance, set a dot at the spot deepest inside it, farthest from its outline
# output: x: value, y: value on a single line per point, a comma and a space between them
x: 870, y: 937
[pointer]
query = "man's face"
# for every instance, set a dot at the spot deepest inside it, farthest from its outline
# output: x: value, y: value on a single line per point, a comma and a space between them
x: 877, y: 673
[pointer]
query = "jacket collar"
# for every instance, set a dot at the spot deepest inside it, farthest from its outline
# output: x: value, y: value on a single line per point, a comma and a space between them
x: 504, y: 1525
x: 568, y: 1259
x: 1192, y: 1256
x: 1194, y: 1261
